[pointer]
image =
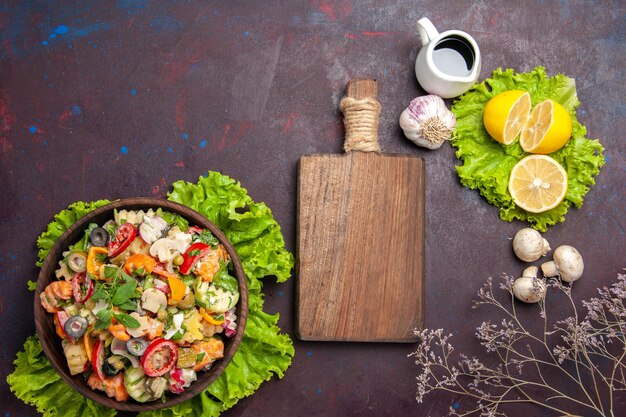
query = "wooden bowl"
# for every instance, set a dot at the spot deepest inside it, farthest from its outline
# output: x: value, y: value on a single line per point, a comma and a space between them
x: 51, y: 343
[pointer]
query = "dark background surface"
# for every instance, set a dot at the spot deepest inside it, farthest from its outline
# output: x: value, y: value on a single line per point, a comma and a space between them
x: 120, y: 99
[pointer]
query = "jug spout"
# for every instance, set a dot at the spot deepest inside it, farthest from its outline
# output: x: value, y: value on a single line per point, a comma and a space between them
x: 427, y: 30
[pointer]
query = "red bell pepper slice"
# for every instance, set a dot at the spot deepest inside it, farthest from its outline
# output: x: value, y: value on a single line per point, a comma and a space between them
x: 192, y: 255
x: 97, y: 358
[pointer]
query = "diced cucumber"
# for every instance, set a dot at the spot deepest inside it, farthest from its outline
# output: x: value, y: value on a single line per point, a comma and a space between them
x: 71, y: 310
x: 135, y: 383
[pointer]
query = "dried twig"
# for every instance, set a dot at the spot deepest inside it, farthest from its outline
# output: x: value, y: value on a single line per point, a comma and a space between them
x: 590, y: 353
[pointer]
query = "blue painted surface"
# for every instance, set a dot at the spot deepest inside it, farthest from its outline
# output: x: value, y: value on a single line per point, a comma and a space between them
x: 132, y: 5
x: 61, y: 30
x: 165, y: 24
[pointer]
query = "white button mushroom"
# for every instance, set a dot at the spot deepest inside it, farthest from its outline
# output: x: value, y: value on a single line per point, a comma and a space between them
x: 531, y: 271
x: 144, y: 324
x: 529, y: 246
x: 528, y: 288
x: 153, y: 300
x: 166, y: 247
x: 565, y: 262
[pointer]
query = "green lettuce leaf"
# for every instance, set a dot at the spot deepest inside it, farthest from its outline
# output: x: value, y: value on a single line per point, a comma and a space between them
x: 62, y: 221
x: 487, y: 164
x: 264, y: 351
x: 37, y: 383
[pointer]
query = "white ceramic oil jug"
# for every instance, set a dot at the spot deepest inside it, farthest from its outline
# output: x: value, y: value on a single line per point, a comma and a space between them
x: 448, y: 64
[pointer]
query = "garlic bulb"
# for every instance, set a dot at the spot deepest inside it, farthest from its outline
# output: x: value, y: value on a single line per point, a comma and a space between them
x: 427, y: 121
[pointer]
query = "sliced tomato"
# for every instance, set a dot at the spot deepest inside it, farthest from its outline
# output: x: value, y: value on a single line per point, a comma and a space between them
x: 124, y: 235
x: 97, y: 358
x: 193, y: 230
x: 160, y: 357
x: 192, y: 255
x: 82, y: 287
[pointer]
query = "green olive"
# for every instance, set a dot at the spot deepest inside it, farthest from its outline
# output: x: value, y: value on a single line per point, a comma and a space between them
x: 162, y: 315
x: 186, y: 358
x: 178, y: 260
x: 77, y: 261
x: 90, y: 304
x: 188, y: 301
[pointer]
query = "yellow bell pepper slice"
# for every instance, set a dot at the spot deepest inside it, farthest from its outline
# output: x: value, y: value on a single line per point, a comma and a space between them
x: 93, y: 262
x: 138, y: 261
x: 177, y: 288
x: 209, y: 318
x: 88, y: 343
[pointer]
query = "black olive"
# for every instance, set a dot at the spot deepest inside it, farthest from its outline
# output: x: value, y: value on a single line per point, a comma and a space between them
x: 75, y: 326
x: 136, y: 346
x: 166, y: 230
x: 99, y: 237
x: 109, y: 369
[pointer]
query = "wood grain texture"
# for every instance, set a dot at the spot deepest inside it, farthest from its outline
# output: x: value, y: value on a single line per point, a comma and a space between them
x: 360, y: 247
x: 51, y: 343
x: 360, y: 88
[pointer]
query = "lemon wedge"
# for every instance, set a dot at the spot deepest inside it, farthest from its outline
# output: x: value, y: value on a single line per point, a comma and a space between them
x: 547, y: 129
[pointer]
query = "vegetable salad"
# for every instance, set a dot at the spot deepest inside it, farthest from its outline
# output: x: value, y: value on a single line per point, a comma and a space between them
x: 142, y: 304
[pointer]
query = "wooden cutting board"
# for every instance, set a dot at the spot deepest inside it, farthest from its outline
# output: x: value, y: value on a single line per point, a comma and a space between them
x: 360, y: 236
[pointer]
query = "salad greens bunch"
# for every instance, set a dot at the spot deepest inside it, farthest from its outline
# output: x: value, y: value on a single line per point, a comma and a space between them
x: 487, y: 164
x: 256, y: 236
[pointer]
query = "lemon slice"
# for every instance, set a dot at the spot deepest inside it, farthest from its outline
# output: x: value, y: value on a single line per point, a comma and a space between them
x: 505, y: 115
x: 548, y: 128
x: 538, y: 183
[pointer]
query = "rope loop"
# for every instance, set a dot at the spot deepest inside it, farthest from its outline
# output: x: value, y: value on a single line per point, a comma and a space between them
x: 361, y: 124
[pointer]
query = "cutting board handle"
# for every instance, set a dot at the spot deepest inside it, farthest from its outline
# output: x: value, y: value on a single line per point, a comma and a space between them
x: 361, y: 111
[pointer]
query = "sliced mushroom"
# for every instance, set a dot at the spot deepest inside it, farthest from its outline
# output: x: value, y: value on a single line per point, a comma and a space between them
x: 152, y: 300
